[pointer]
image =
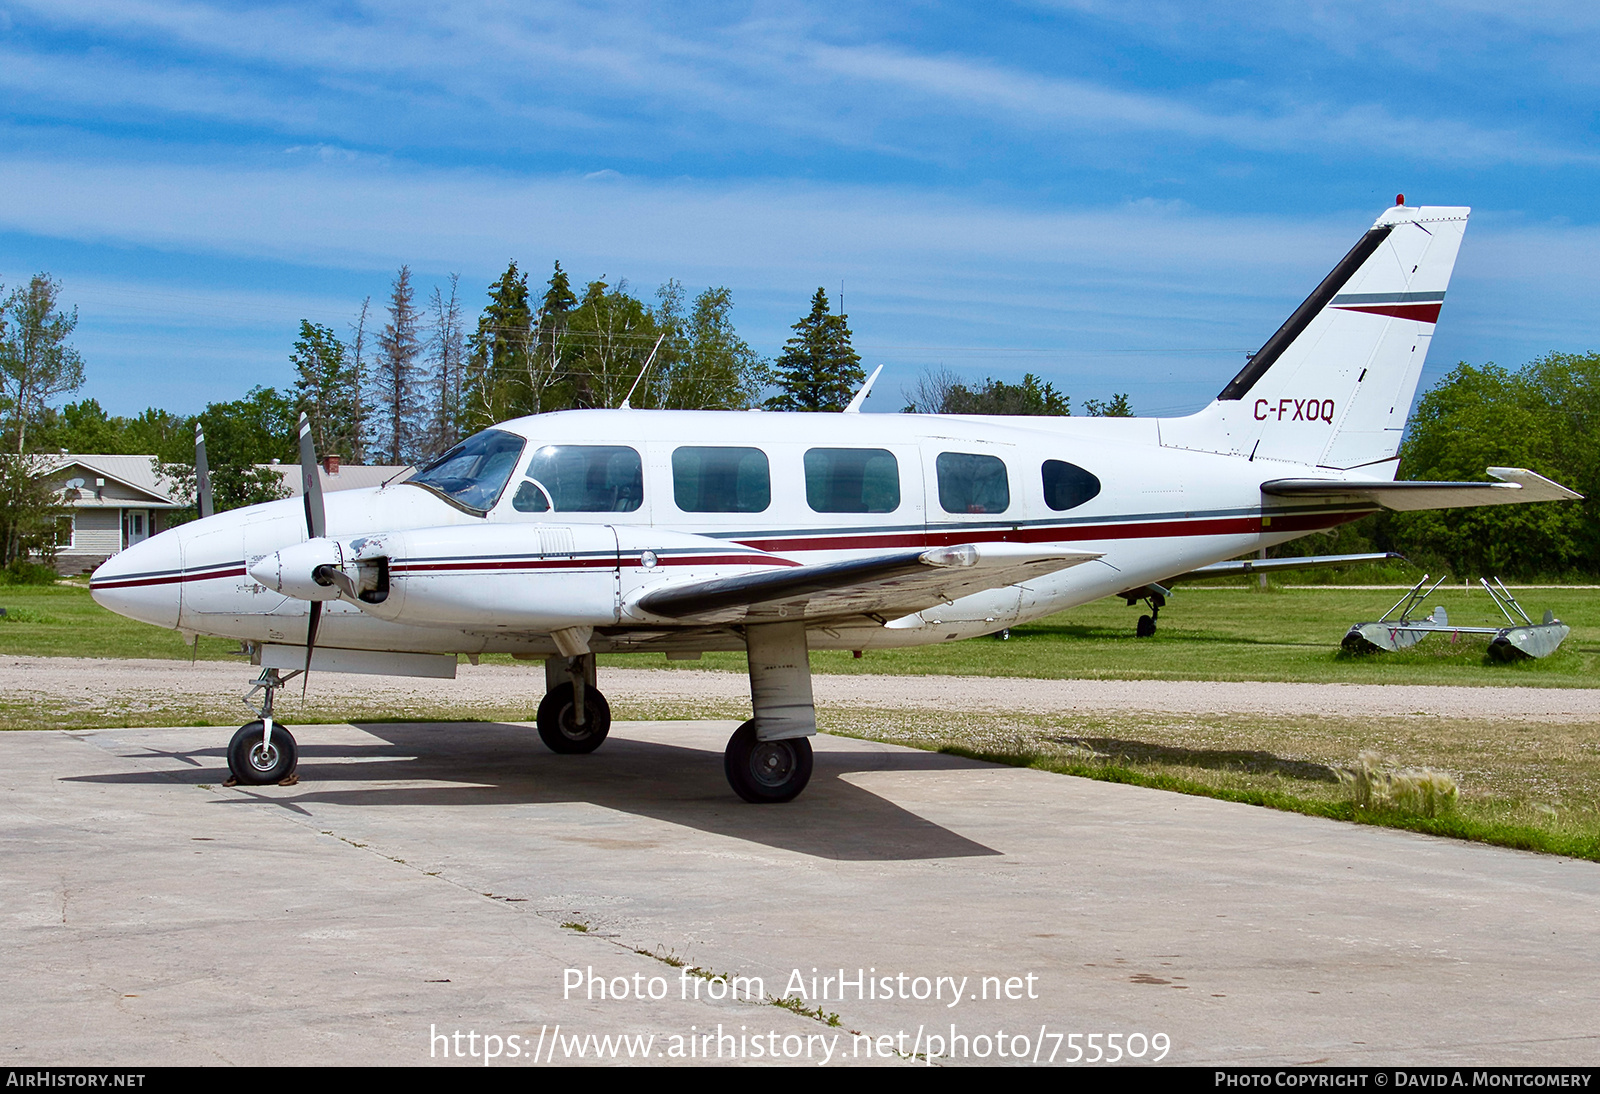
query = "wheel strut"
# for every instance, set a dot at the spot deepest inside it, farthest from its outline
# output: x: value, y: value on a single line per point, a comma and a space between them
x: 263, y: 751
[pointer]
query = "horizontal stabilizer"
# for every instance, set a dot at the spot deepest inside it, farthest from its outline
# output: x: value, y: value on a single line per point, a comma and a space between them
x: 887, y: 585
x: 1516, y: 485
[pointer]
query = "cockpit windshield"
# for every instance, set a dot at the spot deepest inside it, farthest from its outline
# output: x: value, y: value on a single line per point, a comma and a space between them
x: 473, y: 473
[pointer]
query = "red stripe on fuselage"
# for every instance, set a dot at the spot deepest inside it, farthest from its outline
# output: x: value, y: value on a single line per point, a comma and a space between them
x: 165, y: 579
x: 1155, y: 529
x: 587, y: 563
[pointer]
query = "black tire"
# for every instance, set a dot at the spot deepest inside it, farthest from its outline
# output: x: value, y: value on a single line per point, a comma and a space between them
x: 1146, y: 627
x: 247, y: 762
x: 766, y: 771
x: 558, y: 727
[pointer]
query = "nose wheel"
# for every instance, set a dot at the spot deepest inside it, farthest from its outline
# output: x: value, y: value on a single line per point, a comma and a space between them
x: 263, y: 751
x: 766, y: 771
x: 259, y: 758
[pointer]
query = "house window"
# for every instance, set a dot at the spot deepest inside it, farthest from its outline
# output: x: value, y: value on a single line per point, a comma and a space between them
x: 64, y: 530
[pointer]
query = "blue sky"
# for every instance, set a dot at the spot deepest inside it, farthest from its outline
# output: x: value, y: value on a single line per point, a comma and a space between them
x: 1119, y: 197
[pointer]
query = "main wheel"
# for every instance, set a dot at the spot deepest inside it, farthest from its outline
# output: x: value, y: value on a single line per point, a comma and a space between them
x: 766, y: 771
x: 250, y: 763
x: 1146, y: 627
x: 558, y: 720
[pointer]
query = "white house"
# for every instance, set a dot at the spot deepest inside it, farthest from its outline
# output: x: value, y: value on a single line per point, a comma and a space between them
x: 114, y: 501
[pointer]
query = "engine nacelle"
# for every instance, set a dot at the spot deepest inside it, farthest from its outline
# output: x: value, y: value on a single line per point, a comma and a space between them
x: 516, y: 577
x: 295, y: 571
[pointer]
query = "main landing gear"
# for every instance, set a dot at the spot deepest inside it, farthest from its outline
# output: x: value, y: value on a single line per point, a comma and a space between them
x: 766, y: 771
x: 263, y: 751
x: 573, y: 717
x: 767, y: 760
x: 1152, y: 594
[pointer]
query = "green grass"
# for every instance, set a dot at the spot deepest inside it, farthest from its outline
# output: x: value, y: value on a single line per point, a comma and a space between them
x: 62, y: 621
x: 1287, y: 633
x: 1528, y: 786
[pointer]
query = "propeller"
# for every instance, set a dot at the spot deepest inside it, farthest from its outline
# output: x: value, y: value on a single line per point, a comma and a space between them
x: 316, y: 525
x: 202, y: 473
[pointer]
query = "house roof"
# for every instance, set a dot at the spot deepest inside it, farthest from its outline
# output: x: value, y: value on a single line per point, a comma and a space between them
x: 350, y: 476
x: 136, y: 472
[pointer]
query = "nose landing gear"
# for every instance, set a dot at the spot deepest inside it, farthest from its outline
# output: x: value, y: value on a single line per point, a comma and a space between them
x: 263, y: 752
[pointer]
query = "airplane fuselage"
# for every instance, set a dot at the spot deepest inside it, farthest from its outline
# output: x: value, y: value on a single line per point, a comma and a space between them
x: 649, y: 497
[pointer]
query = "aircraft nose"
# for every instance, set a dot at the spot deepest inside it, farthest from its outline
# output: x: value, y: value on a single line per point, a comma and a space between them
x: 143, y: 582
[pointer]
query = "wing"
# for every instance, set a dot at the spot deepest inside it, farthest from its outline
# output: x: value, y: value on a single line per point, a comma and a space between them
x: 1516, y: 485
x: 887, y: 585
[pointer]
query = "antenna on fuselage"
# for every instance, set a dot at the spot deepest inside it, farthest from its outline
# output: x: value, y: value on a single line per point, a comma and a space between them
x: 637, y: 380
x: 861, y: 396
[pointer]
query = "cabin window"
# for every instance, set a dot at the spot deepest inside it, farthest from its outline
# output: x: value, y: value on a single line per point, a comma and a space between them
x: 721, y: 480
x: 852, y: 480
x: 1067, y: 486
x: 473, y: 474
x: 581, y: 478
x: 970, y: 483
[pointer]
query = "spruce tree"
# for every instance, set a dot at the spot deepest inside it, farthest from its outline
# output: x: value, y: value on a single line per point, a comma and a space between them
x: 818, y: 370
x: 323, y: 385
x: 498, y: 353
x: 396, y: 381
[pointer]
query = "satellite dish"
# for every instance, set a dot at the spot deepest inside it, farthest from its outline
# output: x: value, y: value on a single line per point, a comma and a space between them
x: 76, y: 484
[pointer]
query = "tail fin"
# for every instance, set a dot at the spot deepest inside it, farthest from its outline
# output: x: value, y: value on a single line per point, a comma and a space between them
x: 1334, y: 385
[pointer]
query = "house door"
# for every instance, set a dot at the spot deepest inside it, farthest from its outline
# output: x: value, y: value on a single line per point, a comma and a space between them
x: 135, y: 527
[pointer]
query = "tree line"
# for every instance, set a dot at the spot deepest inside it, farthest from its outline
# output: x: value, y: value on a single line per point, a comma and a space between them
x: 408, y: 380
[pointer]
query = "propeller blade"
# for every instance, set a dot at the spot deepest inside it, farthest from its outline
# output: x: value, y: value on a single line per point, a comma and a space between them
x: 311, y: 644
x: 202, y: 474
x: 311, y: 482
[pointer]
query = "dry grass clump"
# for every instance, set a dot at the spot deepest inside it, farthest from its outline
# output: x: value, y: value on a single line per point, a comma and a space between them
x: 1421, y: 791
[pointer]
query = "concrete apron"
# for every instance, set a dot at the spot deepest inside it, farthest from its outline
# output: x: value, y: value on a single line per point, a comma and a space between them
x: 418, y: 879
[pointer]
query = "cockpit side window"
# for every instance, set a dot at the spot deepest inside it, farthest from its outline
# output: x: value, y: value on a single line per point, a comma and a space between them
x: 473, y: 474
x: 1067, y: 486
x: 581, y: 478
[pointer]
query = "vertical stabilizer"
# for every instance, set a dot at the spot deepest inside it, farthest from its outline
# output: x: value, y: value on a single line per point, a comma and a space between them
x: 1333, y: 386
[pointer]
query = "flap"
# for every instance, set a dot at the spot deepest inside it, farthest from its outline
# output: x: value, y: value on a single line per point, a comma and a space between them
x: 888, y: 585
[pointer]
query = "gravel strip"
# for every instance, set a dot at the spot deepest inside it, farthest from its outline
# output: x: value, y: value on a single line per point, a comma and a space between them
x: 129, y: 682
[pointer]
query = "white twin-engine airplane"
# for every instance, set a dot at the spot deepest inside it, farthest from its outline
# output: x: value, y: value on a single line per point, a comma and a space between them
x: 560, y: 536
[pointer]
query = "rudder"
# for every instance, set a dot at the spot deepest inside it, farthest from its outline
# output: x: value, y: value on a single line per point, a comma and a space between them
x: 1332, y: 387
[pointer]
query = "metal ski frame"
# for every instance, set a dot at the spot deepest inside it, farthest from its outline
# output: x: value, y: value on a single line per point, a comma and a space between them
x: 1408, y: 602
x: 1502, y: 598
